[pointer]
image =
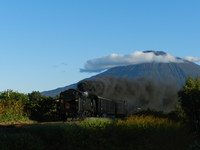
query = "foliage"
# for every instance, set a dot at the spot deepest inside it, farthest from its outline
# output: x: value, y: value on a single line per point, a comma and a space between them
x: 96, y: 123
x: 147, y: 121
x: 10, y: 95
x: 176, y: 115
x: 17, y: 107
x: 179, y: 113
x: 138, y: 133
x: 41, y: 108
x: 190, y: 101
x: 195, y: 145
x: 12, y: 106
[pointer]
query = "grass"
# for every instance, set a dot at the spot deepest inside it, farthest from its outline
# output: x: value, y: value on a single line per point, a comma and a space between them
x: 14, y: 120
x: 12, y: 112
x: 133, y: 133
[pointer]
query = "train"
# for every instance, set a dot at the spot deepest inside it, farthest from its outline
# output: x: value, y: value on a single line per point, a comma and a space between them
x: 73, y: 104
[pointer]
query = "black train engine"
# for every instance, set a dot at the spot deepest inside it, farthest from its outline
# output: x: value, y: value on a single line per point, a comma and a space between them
x: 77, y: 104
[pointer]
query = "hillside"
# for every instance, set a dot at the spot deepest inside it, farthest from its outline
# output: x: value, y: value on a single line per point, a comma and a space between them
x: 170, y: 72
x: 57, y: 91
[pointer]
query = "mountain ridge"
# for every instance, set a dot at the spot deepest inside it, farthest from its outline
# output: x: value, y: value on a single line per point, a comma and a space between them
x: 174, y: 72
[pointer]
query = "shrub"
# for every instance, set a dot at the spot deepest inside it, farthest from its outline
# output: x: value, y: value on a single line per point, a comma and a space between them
x: 190, y: 102
x: 41, y: 108
x: 12, y: 107
x: 96, y: 123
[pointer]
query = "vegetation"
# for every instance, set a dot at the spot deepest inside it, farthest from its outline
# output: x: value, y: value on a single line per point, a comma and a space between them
x: 41, y: 108
x: 174, y: 115
x: 190, y: 102
x: 146, y: 130
x: 12, y: 107
x: 134, y: 133
x: 19, y: 108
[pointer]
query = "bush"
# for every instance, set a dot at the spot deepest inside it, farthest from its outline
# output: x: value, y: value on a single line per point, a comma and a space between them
x: 12, y: 107
x: 190, y: 102
x: 18, y: 107
x: 41, y: 108
x: 96, y: 123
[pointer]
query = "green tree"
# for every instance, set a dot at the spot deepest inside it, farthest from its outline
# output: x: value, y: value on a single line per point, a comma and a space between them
x: 41, y: 108
x: 190, y: 101
x: 11, y: 95
x: 12, y: 106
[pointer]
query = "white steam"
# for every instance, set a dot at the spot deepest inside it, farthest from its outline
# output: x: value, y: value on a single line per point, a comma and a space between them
x: 114, y: 60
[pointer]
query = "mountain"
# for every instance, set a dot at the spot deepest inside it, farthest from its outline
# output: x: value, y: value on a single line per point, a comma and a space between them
x: 168, y: 72
x: 55, y: 92
x: 173, y: 72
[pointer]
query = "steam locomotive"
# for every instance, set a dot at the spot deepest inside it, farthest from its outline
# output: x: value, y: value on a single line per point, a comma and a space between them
x: 77, y: 104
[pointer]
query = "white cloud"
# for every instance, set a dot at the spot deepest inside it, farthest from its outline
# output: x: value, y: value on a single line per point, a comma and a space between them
x: 137, y: 57
x: 193, y: 59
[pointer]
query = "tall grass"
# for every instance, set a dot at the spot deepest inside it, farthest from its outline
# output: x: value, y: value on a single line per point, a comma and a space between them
x: 96, y: 123
x: 149, y: 132
x: 134, y: 133
x: 148, y: 122
x: 12, y: 112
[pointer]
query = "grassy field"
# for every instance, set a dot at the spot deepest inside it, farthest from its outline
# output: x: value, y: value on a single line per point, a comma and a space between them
x: 133, y: 133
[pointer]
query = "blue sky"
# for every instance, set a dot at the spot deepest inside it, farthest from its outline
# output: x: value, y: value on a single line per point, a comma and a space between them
x: 45, y: 43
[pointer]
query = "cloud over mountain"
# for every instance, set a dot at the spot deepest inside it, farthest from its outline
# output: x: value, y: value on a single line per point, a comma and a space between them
x: 137, y: 57
x: 193, y: 59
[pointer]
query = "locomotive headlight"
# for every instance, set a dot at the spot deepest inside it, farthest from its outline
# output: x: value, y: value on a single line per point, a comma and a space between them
x: 67, y: 105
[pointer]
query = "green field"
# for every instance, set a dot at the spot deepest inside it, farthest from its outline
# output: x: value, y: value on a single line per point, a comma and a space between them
x: 133, y: 133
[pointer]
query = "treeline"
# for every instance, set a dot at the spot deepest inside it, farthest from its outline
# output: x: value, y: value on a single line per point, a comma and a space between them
x: 18, y: 107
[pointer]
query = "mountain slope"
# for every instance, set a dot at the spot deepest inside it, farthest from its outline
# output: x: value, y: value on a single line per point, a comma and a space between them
x: 172, y: 72
x: 57, y: 91
x: 168, y: 72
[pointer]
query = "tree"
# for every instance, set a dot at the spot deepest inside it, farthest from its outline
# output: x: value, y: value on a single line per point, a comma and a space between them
x: 190, y: 101
x: 12, y: 106
x: 41, y: 108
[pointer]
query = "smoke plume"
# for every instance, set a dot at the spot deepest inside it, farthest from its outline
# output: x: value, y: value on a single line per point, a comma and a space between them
x: 138, y: 93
